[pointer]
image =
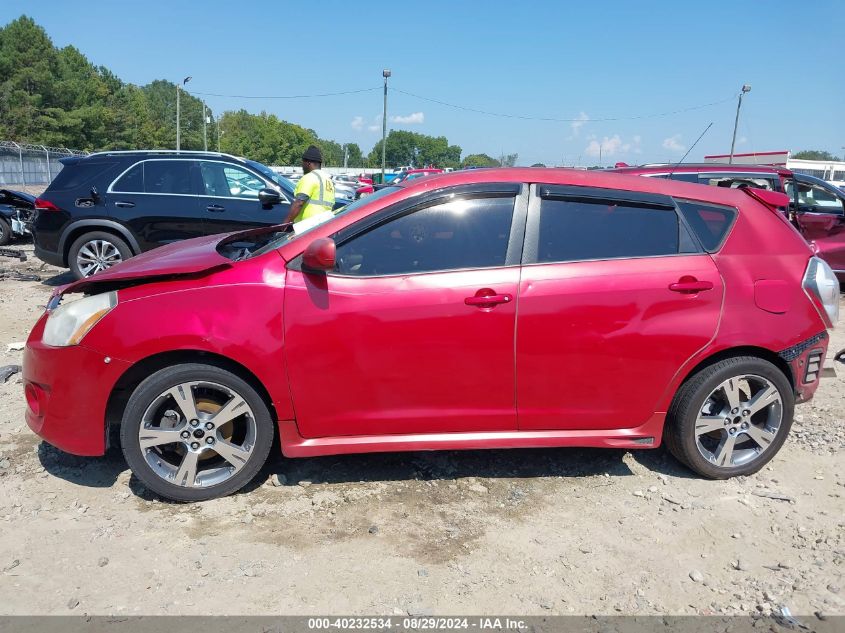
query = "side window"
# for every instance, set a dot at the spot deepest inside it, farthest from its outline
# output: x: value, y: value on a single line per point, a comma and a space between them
x: 814, y: 198
x: 685, y: 177
x: 573, y: 230
x: 463, y: 233
x: 229, y: 181
x: 709, y: 222
x: 738, y: 181
x: 168, y: 176
x: 132, y: 181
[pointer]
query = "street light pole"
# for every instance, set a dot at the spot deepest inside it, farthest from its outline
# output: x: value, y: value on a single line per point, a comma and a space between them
x: 204, y: 129
x: 385, y: 73
x: 178, y: 130
x: 745, y: 88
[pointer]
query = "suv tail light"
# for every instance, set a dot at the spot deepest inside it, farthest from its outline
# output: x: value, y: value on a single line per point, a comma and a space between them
x: 45, y: 205
x: 822, y: 286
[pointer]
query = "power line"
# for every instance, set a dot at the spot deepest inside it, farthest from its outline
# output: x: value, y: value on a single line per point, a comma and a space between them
x: 476, y: 110
x: 325, y: 94
x: 559, y: 120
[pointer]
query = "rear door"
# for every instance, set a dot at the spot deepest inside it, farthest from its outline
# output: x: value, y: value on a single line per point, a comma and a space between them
x: 615, y: 296
x: 158, y: 200
x: 414, y: 330
x: 230, y: 198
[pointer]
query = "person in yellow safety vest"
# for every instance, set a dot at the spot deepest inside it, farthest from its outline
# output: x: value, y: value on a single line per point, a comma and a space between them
x: 314, y: 193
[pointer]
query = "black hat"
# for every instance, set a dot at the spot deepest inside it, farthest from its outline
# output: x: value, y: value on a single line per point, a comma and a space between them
x: 313, y: 154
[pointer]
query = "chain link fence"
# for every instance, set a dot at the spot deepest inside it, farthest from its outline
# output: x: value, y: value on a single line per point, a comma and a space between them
x: 24, y: 165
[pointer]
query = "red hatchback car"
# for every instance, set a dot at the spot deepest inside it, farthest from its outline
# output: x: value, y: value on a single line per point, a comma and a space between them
x: 477, y: 309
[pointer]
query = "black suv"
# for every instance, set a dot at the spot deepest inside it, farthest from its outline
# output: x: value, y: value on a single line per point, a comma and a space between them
x: 106, y: 207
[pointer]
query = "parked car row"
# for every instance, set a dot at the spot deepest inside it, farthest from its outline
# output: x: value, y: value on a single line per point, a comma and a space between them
x: 650, y: 310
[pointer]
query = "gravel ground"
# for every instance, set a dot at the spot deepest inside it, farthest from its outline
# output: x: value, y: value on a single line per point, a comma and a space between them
x: 521, y: 532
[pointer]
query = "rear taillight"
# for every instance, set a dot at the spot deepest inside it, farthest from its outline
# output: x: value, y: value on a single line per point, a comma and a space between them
x: 822, y: 286
x: 45, y: 205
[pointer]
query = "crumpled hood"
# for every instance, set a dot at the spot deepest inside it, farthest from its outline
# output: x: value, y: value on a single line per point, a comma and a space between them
x: 180, y: 258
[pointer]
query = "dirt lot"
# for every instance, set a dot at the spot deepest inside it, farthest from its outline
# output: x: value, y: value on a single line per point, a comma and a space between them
x: 516, y: 532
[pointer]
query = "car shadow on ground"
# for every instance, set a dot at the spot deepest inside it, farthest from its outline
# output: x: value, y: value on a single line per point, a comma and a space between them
x: 482, y: 464
x: 103, y: 472
x: 91, y: 472
x: 61, y: 279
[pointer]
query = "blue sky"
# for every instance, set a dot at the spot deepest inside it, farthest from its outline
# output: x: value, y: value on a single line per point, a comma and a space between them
x: 557, y: 60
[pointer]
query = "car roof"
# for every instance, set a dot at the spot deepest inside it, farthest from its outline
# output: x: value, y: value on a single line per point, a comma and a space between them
x: 598, y: 178
x: 702, y: 167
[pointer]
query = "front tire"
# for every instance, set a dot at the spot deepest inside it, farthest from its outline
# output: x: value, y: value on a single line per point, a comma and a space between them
x: 96, y: 251
x: 194, y: 432
x: 730, y: 418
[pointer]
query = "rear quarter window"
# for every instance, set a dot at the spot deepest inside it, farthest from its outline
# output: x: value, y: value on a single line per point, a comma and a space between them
x: 81, y: 174
x: 710, y: 223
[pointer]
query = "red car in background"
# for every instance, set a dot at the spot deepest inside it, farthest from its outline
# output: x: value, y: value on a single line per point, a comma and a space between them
x: 816, y: 208
x: 647, y: 310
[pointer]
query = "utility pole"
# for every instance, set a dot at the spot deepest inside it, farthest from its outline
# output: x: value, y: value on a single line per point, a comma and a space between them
x: 384, y: 73
x: 745, y: 88
x: 178, y: 113
x: 218, y: 132
x: 345, y: 155
x: 204, y: 129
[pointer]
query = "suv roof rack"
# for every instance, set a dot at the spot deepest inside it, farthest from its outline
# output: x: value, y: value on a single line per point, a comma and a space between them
x: 165, y: 151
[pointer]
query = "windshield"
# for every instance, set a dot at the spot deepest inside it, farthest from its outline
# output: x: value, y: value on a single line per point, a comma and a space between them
x: 280, y: 180
x: 281, y: 237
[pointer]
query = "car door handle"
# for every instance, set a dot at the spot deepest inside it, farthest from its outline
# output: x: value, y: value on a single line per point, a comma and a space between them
x: 215, y: 208
x: 124, y: 205
x: 487, y: 300
x: 690, y: 285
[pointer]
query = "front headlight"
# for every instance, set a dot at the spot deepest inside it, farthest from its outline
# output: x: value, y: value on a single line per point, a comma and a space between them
x: 69, y: 323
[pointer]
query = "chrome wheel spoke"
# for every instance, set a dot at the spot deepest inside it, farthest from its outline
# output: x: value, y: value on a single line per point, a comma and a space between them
x: 237, y: 456
x: 235, y: 407
x: 158, y: 437
x: 184, y: 396
x: 732, y: 394
x: 762, y: 436
x: 708, y: 424
x: 187, y: 473
x: 724, y: 452
x: 762, y: 399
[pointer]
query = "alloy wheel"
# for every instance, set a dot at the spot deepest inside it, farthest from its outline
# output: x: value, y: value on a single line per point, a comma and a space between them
x: 197, y: 434
x: 97, y: 255
x: 738, y: 421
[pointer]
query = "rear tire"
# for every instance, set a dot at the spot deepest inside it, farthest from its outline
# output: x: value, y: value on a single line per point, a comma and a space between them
x: 92, y: 252
x: 717, y: 428
x: 5, y: 232
x: 206, y: 432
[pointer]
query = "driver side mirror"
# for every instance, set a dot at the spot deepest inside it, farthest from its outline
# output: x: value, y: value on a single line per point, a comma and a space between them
x: 269, y: 197
x: 319, y: 255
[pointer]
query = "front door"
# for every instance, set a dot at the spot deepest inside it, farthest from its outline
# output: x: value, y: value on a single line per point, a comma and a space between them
x: 157, y: 199
x: 614, y: 298
x: 230, y: 199
x: 414, y: 330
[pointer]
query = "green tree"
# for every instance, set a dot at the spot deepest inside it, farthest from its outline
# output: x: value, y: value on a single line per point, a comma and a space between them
x: 508, y: 160
x: 814, y: 154
x: 410, y: 148
x: 479, y: 160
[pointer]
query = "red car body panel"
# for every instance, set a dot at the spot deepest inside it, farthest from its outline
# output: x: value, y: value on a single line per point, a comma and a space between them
x: 70, y: 413
x: 403, y: 363
x: 401, y: 354
x: 585, y: 328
